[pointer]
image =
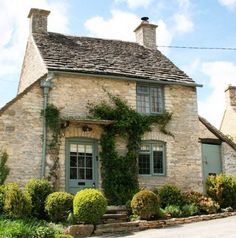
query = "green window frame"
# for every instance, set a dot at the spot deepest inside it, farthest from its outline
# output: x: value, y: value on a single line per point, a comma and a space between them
x: 150, y: 99
x: 152, y: 158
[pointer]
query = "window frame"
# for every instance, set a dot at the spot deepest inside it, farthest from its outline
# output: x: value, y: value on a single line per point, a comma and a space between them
x: 152, y: 143
x: 149, y: 86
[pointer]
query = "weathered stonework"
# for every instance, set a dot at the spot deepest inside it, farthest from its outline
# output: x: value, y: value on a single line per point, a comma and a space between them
x: 20, y: 136
x: 183, y: 154
x: 228, y: 122
x: 33, y: 67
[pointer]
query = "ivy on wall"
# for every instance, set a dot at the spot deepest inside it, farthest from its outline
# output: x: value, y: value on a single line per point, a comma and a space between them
x: 4, y: 169
x: 53, y: 122
x: 120, y: 173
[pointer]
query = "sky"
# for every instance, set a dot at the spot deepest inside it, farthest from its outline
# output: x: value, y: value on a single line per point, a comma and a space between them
x: 202, y: 23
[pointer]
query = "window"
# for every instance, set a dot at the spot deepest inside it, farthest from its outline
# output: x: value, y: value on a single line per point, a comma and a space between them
x: 151, y: 159
x: 149, y: 99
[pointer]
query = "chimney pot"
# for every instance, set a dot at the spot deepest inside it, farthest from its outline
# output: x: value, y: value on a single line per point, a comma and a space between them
x: 146, y: 34
x: 38, y: 20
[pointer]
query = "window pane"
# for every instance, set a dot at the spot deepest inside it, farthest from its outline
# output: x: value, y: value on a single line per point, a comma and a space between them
x: 89, y: 174
x: 73, y: 161
x: 73, y: 173
x: 156, y: 99
x: 73, y: 148
x: 145, y: 148
x: 81, y: 161
x: 89, y: 163
x: 81, y: 174
x: 143, y: 104
x: 144, y: 164
x: 158, y: 162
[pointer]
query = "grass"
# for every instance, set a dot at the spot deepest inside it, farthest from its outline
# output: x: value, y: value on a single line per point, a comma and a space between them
x: 29, y: 228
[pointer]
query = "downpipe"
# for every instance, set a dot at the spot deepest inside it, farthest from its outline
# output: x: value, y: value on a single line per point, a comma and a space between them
x: 46, y: 85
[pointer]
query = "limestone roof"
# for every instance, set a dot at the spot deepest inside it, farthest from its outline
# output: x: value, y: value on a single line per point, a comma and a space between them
x: 107, y: 57
x: 217, y: 132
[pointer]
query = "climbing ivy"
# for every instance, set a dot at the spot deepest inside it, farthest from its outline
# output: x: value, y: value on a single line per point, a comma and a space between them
x: 119, y: 173
x: 4, y: 169
x: 53, y: 122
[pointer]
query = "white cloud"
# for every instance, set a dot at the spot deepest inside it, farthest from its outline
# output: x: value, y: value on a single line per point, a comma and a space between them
x: 183, y: 23
x: 136, y: 3
x: 14, y: 30
x: 228, y: 3
x: 164, y: 36
x: 221, y: 74
x: 184, y: 4
x: 120, y: 26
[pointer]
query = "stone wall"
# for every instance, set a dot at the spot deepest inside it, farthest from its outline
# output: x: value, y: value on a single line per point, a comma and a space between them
x: 20, y: 135
x: 183, y: 154
x: 21, y: 128
x: 72, y: 94
x: 33, y: 67
x: 229, y: 159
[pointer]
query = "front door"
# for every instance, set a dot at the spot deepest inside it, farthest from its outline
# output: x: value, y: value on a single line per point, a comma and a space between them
x: 81, y: 165
x: 211, y: 155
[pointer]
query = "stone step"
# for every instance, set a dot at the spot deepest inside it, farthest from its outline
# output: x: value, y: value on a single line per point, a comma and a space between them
x: 116, y: 210
x: 114, y: 218
x: 116, y: 228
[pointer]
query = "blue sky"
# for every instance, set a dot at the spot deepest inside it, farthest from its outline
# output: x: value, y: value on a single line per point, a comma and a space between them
x: 204, y: 23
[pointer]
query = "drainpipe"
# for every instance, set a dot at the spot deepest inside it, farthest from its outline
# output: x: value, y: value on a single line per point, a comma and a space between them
x: 45, y: 85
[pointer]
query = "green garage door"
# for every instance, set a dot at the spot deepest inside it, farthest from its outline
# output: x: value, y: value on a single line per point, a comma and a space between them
x: 211, y: 155
x: 81, y: 165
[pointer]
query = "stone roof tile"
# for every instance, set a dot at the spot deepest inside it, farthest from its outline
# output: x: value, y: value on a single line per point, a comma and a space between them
x: 108, y: 57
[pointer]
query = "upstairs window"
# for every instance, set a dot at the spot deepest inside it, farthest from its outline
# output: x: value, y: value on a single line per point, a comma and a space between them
x: 151, y: 159
x: 149, y: 99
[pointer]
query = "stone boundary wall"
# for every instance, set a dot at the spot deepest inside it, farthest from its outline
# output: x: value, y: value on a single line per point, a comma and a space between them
x: 126, y: 227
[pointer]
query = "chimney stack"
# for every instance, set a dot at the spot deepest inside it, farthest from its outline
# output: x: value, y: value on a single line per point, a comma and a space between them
x: 230, y: 94
x: 146, y: 34
x: 38, y: 20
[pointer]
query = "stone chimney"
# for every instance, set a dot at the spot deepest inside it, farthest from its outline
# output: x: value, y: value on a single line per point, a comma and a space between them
x: 230, y: 94
x: 38, y: 20
x: 146, y: 34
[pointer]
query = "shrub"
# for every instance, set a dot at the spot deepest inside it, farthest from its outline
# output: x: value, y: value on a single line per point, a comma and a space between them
x: 192, y: 197
x: 89, y: 205
x: 222, y: 189
x: 173, y: 211
x: 170, y: 195
x: 4, y: 170
x: 1, y: 198
x: 58, y: 205
x: 190, y: 209
x: 207, y: 205
x: 17, y: 204
x: 38, y: 189
x: 145, y: 204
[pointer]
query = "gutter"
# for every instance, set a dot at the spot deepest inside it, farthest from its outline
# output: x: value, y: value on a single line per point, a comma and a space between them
x: 45, y: 85
x: 125, y: 78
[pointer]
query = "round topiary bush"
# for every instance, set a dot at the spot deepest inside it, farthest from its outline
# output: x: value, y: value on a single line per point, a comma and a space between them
x: 170, y: 195
x: 89, y: 205
x: 1, y: 198
x: 58, y: 205
x: 145, y: 204
x: 38, y: 189
x: 222, y: 189
x: 17, y: 204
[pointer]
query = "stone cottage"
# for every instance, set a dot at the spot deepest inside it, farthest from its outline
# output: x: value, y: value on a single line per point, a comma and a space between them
x: 70, y: 72
x: 228, y: 124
